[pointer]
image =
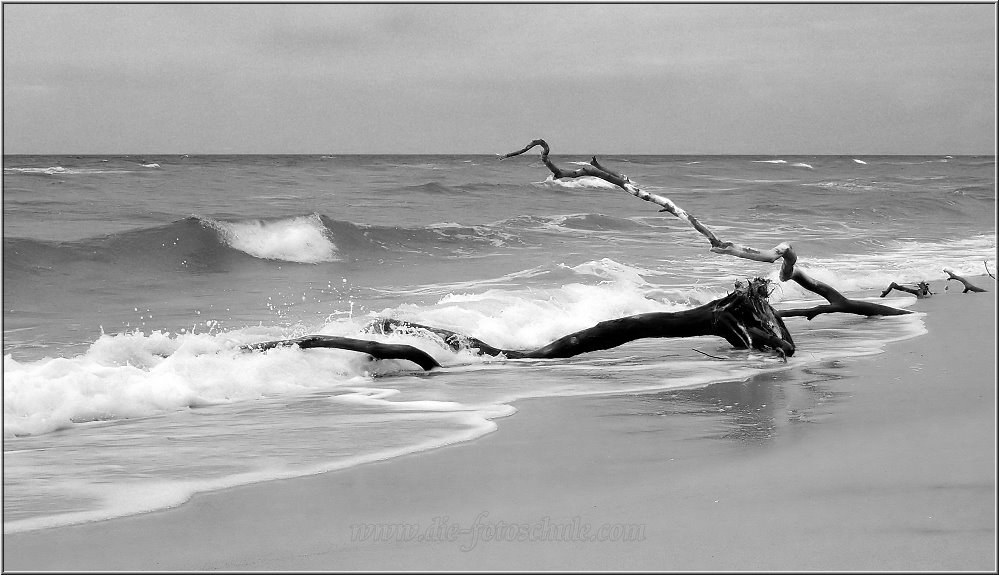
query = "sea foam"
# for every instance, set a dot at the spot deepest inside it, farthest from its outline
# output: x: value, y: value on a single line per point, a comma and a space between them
x: 592, y: 182
x: 136, y: 374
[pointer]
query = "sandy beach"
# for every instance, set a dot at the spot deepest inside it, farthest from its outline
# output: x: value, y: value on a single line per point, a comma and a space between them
x: 885, y: 462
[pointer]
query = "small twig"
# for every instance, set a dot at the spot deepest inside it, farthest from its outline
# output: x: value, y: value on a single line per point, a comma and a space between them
x: 987, y: 270
x: 708, y: 354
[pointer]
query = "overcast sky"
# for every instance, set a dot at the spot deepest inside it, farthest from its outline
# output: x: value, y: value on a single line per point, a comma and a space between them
x: 656, y: 79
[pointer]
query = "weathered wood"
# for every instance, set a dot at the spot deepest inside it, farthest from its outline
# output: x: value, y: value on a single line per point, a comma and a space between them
x: 372, y: 348
x: 558, y: 172
x: 922, y: 290
x: 968, y: 286
x: 744, y: 318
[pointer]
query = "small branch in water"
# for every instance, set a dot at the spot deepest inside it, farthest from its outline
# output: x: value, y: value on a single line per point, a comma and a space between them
x: 707, y: 354
x: 987, y: 270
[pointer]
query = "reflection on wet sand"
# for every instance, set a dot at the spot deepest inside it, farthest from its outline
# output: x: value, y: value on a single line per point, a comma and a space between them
x: 759, y: 410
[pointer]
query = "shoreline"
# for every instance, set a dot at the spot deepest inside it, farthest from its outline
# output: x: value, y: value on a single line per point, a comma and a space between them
x: 878, y: 462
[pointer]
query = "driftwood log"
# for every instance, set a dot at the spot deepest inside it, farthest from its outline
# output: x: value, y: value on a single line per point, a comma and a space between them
x: 968, y: 286
x: 838, y: 303
x: 744, y: 318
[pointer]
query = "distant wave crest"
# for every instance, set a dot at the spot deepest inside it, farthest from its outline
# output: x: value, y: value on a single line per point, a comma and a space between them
x: 61, y: 171
x: 302, y: 239
x: 793, y: 165
x: 211, y: 244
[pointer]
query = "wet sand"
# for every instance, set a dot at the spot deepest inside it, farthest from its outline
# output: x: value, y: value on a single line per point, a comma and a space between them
x: 880, y: 462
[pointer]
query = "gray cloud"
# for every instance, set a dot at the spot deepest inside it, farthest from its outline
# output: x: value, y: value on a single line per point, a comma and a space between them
x: 472, y: 78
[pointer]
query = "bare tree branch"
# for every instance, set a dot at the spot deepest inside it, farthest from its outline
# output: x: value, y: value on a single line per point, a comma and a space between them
x: 838, y: 303
x: 783, y: 251
x: 372, y: 348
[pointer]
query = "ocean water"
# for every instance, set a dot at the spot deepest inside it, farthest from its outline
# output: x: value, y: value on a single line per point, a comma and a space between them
x: 130, y: 281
